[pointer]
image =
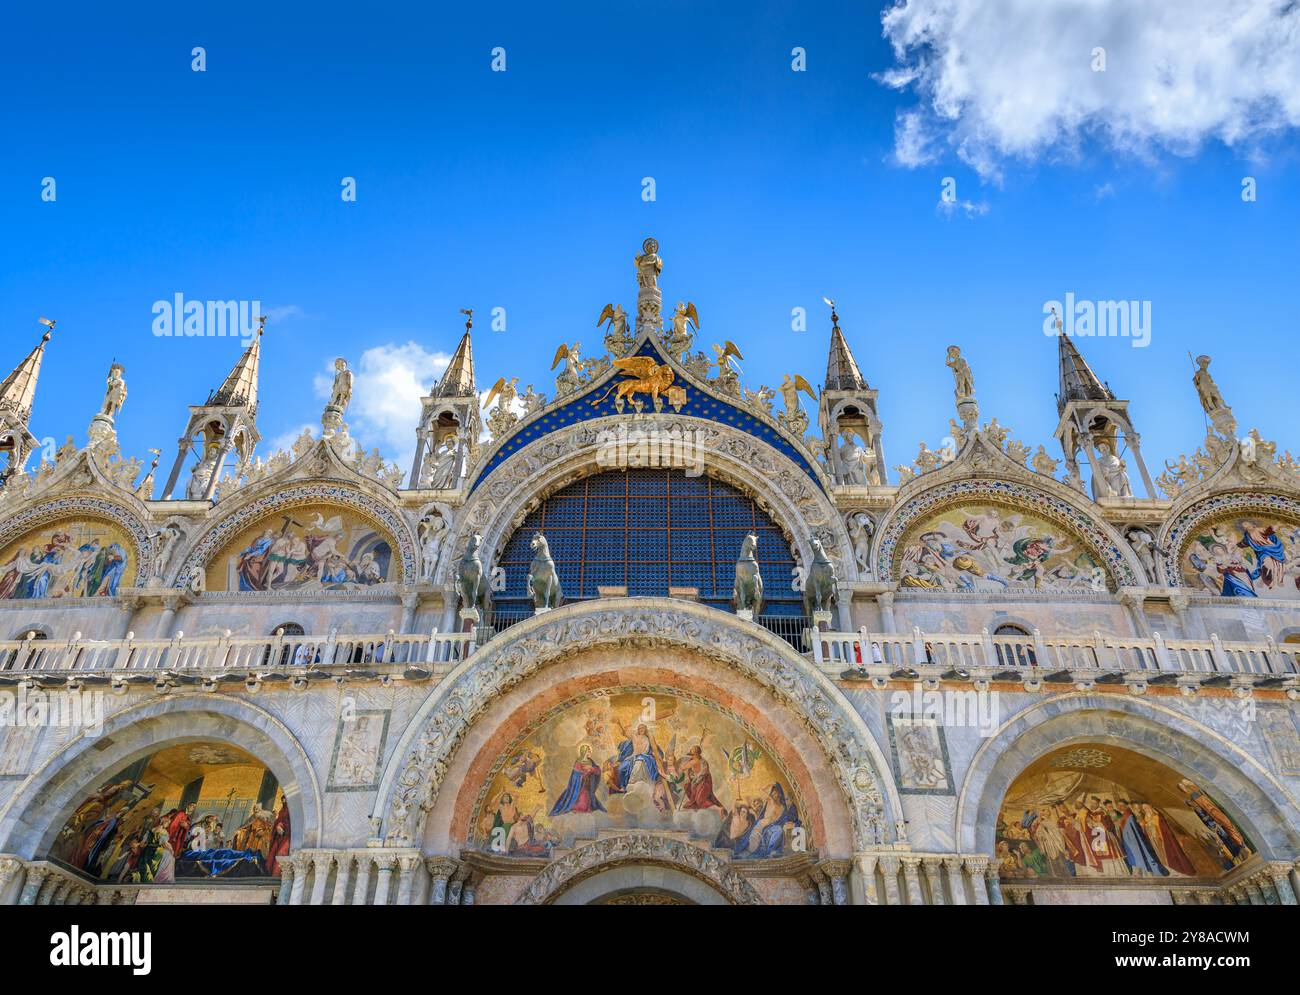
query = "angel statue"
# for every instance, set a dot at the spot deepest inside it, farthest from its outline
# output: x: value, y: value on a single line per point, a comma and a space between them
x: 795, y: 419
x: 681, y: 337
x: 728, y: 379
x: 569, y: 379
x: 618, y: 340
x: 504, y: 417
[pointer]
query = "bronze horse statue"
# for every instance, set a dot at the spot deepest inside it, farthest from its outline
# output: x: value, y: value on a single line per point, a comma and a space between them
x: 473, y: 578
x: 820, y: 584
x: 543, y: 581
x: 748, y: 592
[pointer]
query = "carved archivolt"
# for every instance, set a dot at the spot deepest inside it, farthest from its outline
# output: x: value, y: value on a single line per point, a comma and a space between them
x: 608, y: 852
x: 416, y: 773
x: 1178, y: 531
x: 780, y: 487
x: 81, y: 506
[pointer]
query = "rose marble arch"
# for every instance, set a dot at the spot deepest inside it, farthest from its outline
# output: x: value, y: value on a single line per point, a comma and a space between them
x: 545, y: 465
x: 824, y: 741
x: 1260, y: 803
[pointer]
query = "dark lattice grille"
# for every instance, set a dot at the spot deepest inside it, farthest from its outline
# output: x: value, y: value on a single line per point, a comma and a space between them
x: 648, y: 530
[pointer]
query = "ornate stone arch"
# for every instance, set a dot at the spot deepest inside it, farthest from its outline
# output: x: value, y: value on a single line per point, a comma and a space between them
x: 225, y: 522
x: 1252, y: 795
x: 630, y: 850
x: 415, y: 774
x: 545, y: 465
x: 49, y: 508
x: 1184, y: 519
x: 46, y: 798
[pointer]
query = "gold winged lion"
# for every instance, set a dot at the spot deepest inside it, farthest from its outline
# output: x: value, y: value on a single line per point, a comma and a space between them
x: 649, y: 378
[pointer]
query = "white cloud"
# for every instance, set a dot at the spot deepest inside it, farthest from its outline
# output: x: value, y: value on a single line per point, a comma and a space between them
x: 970, y: 208
x: 285, y: 440
x: 286, y: 313
x: 1004, y: 79
x: 388, y: 382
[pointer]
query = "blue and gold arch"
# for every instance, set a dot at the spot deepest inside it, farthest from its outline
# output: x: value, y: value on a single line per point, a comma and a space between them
x: 700, y: 403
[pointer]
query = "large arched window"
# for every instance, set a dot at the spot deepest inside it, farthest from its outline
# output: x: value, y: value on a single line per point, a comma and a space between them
x: 649, y: 530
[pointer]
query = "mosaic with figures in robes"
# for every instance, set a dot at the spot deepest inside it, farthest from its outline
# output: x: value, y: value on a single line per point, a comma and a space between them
x: 990, y: 548
x: 639, y: 759
x: 198, y: 810
x: 82, y: 558
x: 1246, y: 556
x: 1106, y: 812
x: 312, y: 548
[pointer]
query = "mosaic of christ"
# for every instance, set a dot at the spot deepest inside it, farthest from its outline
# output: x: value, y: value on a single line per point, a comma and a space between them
x: 1250, y: 556
x: 639, y: 759
x: 1106, y: 812
x: 318, y: 547
x: 990, y: 548
x: 71, y: 559
x: 199, y: 810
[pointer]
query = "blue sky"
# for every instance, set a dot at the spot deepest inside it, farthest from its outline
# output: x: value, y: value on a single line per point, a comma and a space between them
x: 523, y: 189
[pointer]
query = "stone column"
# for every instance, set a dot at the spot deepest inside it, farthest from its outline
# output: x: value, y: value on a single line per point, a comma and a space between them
x: 321, y: 863
x: 410, y: 602
x: 129, y: 605
x: 286, y: 882
x: 889, y: 869
x: 364, y: 863
x: 837, y: 872
x: 930, y: 867
x: 994, y: 883
x: 301, y: 865
x: 1135, y: 603
x: 407, y: 866
x: 468, y: 894
x: 823, y: 885
x: 977, y: 866
x: 885, y: 599
x: 383, y: 883
x: 10, y: 870
x: 1294, y: 875
x: 862, y: 881
x: 342, y: 879
x: 911, y: 874
x: 956, y: 880
x: 440, y: 871
x: 47, y: 888
x: 456, y: 886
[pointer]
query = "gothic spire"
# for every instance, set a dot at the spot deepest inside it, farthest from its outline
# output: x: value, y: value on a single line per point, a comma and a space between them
x: 239, y: 390
x: 19, y: 388
x: 458, y: 381
x: 842, y: 371
x: 1078, y: 382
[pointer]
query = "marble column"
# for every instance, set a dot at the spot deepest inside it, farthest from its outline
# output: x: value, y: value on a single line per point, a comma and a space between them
x: 364, y: 863
x: 889, y: 870
x: 956, y: 880
x: 407, y: 866
x: 342, y: 878
x: 885, y: 599
x: 994, y: 883
x: 286, y: 882
x: 912, y: 875
x: 410, y: 602
x: 10, y: 869
x: 863, y: 879
x: 321, y: 865
x: 837, y: 872
x: 977, y: 866
x: 931, y: 867
x: 385, y: 863
x: 469, y: 894
x: 301, y: 865
x: 440, y: 871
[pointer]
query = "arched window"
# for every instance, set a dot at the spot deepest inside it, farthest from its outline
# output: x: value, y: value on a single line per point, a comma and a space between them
x: 648, y: 530
x: 1021, y: 654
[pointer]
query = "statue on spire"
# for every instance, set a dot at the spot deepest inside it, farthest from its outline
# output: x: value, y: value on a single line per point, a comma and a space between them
x: 649, y: 301
x: 1216, y: 408
x: 618, y: 340
x: 101, y: 425
x: 340, y: 396
x: 964, y: 387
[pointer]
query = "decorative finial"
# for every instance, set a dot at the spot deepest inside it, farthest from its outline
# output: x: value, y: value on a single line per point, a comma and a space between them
x: 261, y: 323
x: 49, y: 324
x: 468, y: 312
x: 1056, y: 320
x: 835, y: 318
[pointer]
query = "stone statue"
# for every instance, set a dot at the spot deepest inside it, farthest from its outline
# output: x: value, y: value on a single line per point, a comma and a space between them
x: 618, y: 340
x: 197, y: 489
x: 928, y: 459
x: 115, y: 392
x: 681, y: 337
x: 569, y: 378
x: 473, y: 581
x: 747, y: 594
x: 1113, y: 471
x: 961, y: 375
x: 440, y: 470
x: 1044, y: 464
x: 543, y: 581
x: 1144, y: 547
x: 1219, y: 413
x: 433, y: 530
x: 649, y: 265
x: 861, y: 530
x: 819, y: 589
x: 789, y: 390
x: 164, y: 544
x: 341, y: 396
x: 853, y: 461
x: 533, y: 401
x: 503, y: 417
x: 728, y: 379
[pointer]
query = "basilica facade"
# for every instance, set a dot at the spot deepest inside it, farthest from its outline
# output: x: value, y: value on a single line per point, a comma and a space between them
x: 660, y: 637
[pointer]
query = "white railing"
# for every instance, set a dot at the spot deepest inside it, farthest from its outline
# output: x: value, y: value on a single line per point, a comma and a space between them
x: 1098, y: 654
x: 236, y: 654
